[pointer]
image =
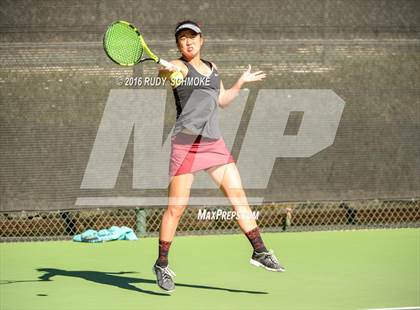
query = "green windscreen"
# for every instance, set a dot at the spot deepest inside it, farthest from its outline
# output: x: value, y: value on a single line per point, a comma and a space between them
x: 122, y: 44
x: 56, y: 86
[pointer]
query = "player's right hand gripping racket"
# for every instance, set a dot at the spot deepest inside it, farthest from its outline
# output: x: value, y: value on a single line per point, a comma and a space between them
x: 124, y: 45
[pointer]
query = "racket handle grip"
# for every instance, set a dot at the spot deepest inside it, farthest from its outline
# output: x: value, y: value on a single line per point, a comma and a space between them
x: 165, y: 63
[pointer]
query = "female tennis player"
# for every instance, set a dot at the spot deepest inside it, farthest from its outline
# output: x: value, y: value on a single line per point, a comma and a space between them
x: 197, y: 144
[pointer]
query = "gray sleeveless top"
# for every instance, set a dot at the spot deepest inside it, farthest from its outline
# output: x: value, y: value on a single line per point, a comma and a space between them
x: 196, y: 102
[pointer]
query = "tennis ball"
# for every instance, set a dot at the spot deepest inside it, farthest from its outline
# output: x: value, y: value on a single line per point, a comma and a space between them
x: 176, y: 78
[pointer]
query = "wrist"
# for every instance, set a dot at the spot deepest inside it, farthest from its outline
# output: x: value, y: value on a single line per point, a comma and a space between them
x: 239, y: 83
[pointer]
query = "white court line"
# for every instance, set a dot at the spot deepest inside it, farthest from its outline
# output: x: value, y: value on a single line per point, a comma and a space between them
x: 397, y: 308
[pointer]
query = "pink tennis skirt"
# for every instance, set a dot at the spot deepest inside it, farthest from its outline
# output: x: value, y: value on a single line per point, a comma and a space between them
x: 190, y: 153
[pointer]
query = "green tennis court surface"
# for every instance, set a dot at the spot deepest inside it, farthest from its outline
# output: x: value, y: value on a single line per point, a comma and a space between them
x: 325, y: 270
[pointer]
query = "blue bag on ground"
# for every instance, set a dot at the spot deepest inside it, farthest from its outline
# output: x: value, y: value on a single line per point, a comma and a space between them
x: 113, y: 233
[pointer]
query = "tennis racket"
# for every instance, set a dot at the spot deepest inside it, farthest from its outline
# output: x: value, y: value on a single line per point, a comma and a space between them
x: 125, y: 46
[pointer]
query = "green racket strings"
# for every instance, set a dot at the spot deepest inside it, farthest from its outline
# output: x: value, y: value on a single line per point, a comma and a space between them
x: 122, y: 44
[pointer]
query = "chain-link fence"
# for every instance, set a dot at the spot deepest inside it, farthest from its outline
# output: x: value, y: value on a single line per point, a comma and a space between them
x: 276, y: 217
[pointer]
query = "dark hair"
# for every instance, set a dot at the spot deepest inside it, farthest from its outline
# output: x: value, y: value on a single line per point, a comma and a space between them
x: 187, y: 21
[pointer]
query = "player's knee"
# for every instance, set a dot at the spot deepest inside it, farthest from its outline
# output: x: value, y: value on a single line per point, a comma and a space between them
x: 235, y: 192
x: 176, y: 211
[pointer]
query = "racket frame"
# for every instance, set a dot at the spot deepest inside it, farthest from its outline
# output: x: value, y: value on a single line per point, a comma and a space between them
x: 146, y: 49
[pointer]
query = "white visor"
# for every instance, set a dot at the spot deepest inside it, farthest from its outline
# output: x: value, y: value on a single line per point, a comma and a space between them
x: 188, y: 26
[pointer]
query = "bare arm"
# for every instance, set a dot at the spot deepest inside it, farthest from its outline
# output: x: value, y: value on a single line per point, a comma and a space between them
x: 165, y: 72
x: 227, y: 96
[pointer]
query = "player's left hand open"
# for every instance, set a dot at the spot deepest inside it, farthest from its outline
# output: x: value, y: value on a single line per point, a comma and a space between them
x: 249, y: 76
